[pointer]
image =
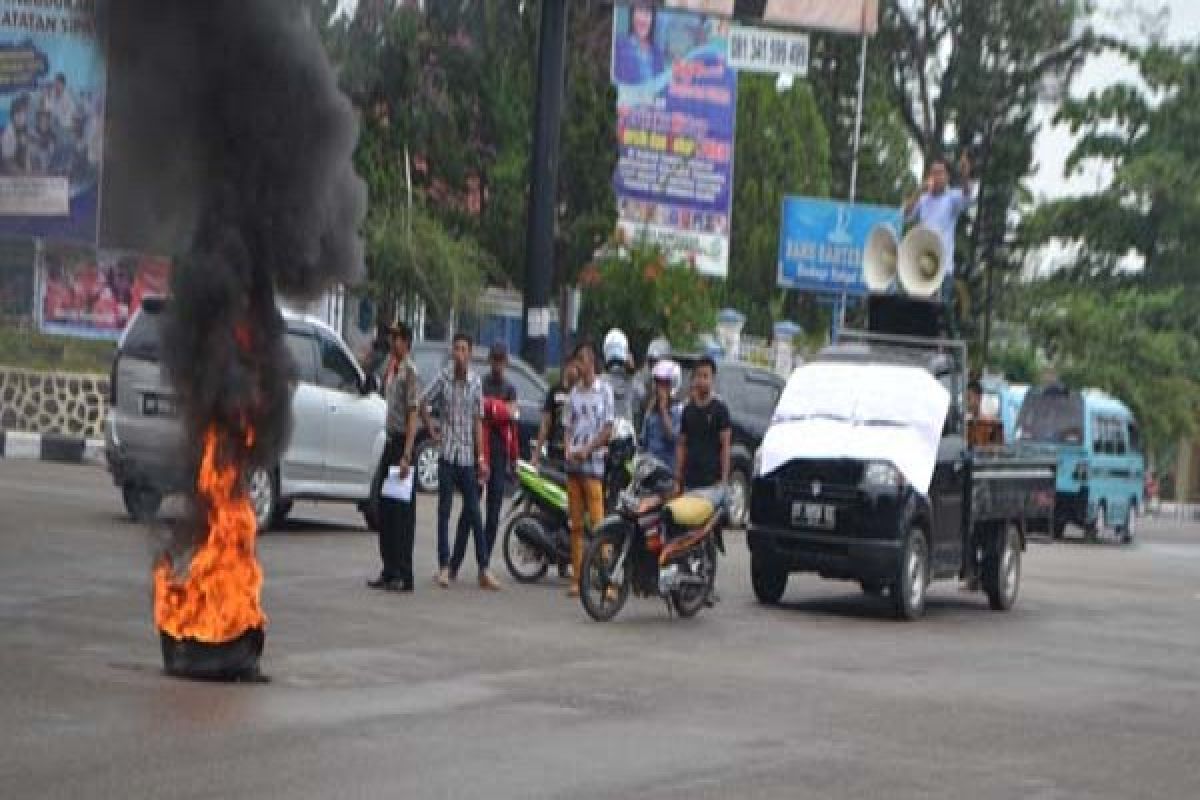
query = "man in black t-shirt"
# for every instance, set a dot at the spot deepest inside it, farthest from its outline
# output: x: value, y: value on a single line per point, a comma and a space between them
x: 550, y: 432
x: 702, y: 454
x: 705, y: 436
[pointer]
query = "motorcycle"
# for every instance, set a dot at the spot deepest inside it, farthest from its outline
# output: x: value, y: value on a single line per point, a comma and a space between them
x: 537, y: 534
x: 653, y: 547
x: 538, y: 530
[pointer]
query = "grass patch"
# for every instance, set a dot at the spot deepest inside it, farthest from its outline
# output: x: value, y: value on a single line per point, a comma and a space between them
x: 26, y: 348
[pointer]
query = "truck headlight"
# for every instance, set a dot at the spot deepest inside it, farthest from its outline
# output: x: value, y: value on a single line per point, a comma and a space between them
x: 882, y: 475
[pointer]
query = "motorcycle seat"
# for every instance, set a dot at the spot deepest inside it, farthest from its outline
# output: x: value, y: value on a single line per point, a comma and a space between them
x: 553, y: 474
x: 691, y: 511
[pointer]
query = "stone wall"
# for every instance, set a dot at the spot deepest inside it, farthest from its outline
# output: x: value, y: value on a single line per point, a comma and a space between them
x: 53, y: 402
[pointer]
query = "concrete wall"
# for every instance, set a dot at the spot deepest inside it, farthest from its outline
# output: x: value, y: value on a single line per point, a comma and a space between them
x: 60, y: 402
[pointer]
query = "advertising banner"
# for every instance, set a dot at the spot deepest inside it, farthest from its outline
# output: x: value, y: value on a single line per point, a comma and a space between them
x: 52, y: 87
x: 843, y: 16
x: 676, y: 108
x: 90, y: 294
x: 821, y: 243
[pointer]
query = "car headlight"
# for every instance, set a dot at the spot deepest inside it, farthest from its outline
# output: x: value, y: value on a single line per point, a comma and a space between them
x: 882, y: 475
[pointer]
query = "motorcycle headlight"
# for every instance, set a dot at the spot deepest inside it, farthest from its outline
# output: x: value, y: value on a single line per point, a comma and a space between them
x: 882, y: 475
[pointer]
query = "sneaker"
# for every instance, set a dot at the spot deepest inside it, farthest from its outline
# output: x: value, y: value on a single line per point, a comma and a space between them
x: 443, y: 578
x: 380, y: 583
x: 487, y: 582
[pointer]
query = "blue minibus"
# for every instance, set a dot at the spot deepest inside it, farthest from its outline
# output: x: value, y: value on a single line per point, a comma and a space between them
x: 1101, y: 466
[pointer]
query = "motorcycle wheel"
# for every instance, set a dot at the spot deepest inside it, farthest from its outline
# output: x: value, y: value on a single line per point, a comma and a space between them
x: 688, y: 601
x: 526, y: 562
x: 602, y: 594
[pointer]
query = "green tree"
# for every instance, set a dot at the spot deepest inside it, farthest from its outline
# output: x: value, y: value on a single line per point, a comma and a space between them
x: 1130, y: 343
x: 1148, y: 137
x: 969, y: 76
x: 782, y: 148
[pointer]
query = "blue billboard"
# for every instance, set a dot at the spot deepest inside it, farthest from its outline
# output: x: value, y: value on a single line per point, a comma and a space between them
x: 821, y: 243
x: 52, y: 88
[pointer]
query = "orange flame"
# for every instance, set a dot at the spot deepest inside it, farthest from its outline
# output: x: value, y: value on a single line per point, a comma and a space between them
x: 218, y: 600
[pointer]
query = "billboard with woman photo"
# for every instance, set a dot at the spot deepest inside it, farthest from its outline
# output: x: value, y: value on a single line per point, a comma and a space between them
x: 676, y: 108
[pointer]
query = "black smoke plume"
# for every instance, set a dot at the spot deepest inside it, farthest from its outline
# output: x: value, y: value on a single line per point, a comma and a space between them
x: 229, y: 147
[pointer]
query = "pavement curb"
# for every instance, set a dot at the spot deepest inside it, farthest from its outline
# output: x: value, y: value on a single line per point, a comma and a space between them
x: 56, y: 447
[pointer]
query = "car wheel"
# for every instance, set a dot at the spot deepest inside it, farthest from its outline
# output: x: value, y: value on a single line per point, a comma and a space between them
x: 1099, y: 527
x: 1129, y: 532
x: 769, y: 581
x: 1002, y: 570
x: 141, y: 501
x: 427, y: 467
x: 263, y: 492
x: 739, y: 499
x: 912, y: 577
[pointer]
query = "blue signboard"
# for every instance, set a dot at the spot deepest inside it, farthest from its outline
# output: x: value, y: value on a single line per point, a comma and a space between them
x: 821, y: 243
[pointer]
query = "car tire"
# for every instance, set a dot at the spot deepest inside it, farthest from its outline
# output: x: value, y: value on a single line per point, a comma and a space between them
x: 426, y: 465
x: 739, y: 498
x: 1098, y: 528
x: 262, y: 485
x: 280, y: 515
x: 769, y: 581
x: 912, y: 576
x: 1002, y: 570
x: 1129, y: 529
x: 142, y: 502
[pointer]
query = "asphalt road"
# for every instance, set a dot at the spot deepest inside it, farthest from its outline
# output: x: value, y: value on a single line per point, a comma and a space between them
x: 1090, y: 688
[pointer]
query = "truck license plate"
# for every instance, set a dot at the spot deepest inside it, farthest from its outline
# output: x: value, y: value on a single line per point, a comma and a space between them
x: 814, y: 515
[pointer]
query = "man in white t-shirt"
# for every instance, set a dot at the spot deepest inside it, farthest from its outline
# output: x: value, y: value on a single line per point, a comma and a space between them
x: 938, y: 207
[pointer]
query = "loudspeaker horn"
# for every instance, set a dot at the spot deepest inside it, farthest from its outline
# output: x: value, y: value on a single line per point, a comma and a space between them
x: 880, y: 259
x: 922, y: 262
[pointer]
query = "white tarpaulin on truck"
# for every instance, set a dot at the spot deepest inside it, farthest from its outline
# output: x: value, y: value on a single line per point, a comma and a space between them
x: 862, y: 412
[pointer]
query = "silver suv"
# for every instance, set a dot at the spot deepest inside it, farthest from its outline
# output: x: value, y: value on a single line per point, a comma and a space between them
x: 337, y: 438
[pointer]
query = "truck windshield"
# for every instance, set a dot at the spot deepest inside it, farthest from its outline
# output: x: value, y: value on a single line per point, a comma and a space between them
x: 1052, y: 416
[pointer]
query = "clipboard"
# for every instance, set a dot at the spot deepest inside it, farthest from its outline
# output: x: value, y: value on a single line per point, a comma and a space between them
x: 397, y: 488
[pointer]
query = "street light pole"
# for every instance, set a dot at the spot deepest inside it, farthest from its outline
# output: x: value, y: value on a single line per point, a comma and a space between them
x: 543, y: 189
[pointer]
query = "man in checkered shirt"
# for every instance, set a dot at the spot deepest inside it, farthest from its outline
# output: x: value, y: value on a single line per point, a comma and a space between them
x: 457, y: 396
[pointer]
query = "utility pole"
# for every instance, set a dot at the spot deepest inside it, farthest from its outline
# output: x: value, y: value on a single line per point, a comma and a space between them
x: 543, y: 189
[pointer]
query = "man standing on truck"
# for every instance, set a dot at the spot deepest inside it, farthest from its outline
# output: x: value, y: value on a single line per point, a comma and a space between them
x: 939, y: 207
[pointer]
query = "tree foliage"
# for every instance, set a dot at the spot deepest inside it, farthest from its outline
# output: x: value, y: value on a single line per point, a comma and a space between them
x: 633, y: 286
x: 1129, y: 342
x: 968, y: 76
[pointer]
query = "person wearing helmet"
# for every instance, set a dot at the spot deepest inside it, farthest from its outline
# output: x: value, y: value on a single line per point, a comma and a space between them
x: 643, y: 379
x: 660, y: 428
x: 617, y: 372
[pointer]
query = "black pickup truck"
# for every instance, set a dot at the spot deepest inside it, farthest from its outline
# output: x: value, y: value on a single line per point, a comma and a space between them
x: 835, y: 501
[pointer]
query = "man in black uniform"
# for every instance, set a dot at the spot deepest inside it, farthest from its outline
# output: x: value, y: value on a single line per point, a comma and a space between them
x: 397, y: 518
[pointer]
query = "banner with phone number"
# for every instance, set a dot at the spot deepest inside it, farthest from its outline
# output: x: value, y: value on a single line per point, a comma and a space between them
x: 676, y: 110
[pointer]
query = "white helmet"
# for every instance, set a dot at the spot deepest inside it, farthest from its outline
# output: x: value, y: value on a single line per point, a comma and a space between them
x: 616, y: 347
x: 668, y: 370
x: 659, y: 348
